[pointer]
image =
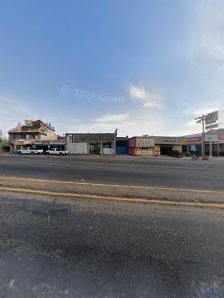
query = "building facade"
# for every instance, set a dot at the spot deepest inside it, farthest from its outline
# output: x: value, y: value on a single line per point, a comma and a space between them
x: 143, y: 146
x: 31, y: 134
x: 213, y: 142
x: 91, y: 143
x: 122, y: 145
x: 156, y: 145
x: 168, y: 144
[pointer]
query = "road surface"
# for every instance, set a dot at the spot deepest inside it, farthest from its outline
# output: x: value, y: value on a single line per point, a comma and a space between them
x: 119, y: 170
x: 69, y: 248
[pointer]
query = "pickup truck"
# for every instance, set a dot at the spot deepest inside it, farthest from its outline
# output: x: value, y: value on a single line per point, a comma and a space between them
x: 29, y: 151
x: 56, y: 151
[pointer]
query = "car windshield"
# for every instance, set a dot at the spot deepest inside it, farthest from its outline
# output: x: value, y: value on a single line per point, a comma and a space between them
x: 111, y: 148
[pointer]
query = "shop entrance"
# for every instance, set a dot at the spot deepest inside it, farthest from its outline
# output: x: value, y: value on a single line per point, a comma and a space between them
x: 166, y: 149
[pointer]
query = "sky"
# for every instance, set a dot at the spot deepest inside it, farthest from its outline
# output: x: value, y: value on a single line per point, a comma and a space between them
x: 139, y: 66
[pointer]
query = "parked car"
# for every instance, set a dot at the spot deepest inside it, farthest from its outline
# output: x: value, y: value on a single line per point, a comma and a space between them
x: 29, y: 150
x: 56, y: 151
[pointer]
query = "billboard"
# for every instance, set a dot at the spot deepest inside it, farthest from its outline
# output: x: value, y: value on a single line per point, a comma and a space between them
x: 211, y: 117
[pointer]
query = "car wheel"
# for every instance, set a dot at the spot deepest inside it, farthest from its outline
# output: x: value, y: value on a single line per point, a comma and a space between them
x: 32, y: 153
x: 60, y: 153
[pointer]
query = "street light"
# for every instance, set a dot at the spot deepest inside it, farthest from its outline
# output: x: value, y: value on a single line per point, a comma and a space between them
x: 202, y: 120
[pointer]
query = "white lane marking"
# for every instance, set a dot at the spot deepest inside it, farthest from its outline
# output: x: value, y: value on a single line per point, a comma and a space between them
x: 117, y: 199
x: 113, y: 185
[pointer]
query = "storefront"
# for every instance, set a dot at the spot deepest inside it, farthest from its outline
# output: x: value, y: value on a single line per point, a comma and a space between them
x: 143, y: 146
x: 213, y: 143
x: 170, y: 145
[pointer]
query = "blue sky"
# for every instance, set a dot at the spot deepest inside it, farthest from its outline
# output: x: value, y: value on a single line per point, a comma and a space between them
x: 144, y: 67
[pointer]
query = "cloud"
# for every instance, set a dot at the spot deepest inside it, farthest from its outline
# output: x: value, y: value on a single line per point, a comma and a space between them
x: 132, y: 123
x: 200, y: 111
x: 13, y: 111
x: 3, y: 112
x: 206, y: 33
x: 112, y: 118
x: 149, y: 98
x: 191, y: 123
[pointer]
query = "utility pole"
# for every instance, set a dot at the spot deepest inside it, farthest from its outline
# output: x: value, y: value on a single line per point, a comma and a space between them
x: 202, y: 120
x: 101, y: 143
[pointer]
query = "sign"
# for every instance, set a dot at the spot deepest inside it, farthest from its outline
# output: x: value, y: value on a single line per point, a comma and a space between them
x: 193, y: 148
x: 221, y: 138
x: 169, y: 140
x: 211, y: 117
x: 194, y: 139
x: 52, y: 142
x: 177, y: 148
x: 145, y: 142
x: 210, y: 126
x: 211, y: 138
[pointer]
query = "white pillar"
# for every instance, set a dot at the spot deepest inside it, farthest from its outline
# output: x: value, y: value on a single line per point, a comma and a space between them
x: 210, y: 149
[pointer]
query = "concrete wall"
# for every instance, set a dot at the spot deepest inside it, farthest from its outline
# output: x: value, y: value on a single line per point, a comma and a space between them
x: 77, y: 148
x: 108, y: 151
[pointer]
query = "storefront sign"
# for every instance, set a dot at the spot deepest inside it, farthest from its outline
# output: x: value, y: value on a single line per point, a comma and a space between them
x: 211, y: 138
x: 177, y: 148
x: 221, y: 138
x: 194, y: 139
x: 169, y: 140
x: 145, y: 142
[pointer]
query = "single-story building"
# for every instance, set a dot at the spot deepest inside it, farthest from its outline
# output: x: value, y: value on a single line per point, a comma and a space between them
x: 213, y: 142
x: 91, y: 143
x: 143, y: 146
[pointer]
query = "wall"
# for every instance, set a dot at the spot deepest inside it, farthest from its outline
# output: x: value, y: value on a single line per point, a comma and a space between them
x: 144, y: 152
x: 77, y: 148
x: 108, y: 151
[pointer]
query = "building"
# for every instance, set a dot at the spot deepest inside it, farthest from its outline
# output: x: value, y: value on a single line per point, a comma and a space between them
x: 156, y: 145
x: 91, y: 143
x: 143, y: 146
x: 170, y: 144
x: 31, y: 134
x: 122, y: 145
x: 213, y: 142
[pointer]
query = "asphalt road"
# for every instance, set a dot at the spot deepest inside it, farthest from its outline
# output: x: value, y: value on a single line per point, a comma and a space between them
x: 69, y: 248
x: 168, y: 172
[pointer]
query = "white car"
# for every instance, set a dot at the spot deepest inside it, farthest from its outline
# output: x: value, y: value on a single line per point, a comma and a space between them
x: 29, y: 151
x: 56, y: 151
